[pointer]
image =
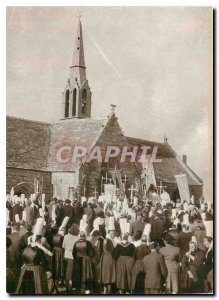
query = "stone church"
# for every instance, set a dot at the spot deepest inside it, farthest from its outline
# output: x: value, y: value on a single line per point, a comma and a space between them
x: 32, y: 146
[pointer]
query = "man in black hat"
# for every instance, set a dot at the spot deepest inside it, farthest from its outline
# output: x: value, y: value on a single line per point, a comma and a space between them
x: 27, y: 234
x: 155, y: 270
x: 59, y: 213
x: 78, y: 212
x: 157, y: 228
x: 171, y: 257
x: 138, y: 225
x: 68, y: 211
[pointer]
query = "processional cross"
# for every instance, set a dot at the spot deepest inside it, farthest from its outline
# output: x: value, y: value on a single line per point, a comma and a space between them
x: 115, y: 174
x: 102, y: 179
x: 124, y: 181
x: 115, y: 170
x: 160, y: 187
x: 132, y: 189
x: 95, y: 193
x: 78, y: 15
x: 144, y: 184
x: 113, y: 108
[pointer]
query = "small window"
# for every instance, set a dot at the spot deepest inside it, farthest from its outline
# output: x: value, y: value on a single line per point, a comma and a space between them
x: 67, y: 104
x: 84, y: 94
x: 74, y: 103
x: 78, y: 48
x: 83, y: 108
x: 84, y: 103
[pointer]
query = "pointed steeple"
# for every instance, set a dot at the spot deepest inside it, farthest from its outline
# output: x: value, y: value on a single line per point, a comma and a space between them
x: 77, y: 93
x: 78, y: 69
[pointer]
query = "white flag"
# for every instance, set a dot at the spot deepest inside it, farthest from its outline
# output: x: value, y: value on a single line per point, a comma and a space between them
x: 109, y: 191
x: 183, y: 186
x: 148, y: 173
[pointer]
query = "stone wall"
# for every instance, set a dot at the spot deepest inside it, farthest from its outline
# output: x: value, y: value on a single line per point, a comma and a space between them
x: 23, y: 179
x: 92, y: 172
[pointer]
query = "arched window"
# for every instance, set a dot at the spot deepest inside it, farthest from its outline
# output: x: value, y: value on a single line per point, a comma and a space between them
x: 74, y: 102
x: 84, y: 103
x: 84, y: 94
x: 83, y: 108
x: 67, y: 104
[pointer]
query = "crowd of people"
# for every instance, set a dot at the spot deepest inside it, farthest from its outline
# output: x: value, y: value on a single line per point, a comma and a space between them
x: 142, y: 245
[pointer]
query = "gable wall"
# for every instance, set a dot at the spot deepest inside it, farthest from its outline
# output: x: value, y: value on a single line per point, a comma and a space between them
x: 111, y: 136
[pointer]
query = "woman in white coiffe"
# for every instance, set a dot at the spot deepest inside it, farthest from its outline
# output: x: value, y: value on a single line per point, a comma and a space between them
x: 97, y: 223
x: 84, y: 225
x: 147, y: 231
x: 137, y: 238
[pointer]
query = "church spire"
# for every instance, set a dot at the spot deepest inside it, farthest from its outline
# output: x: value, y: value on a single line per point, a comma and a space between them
x: 77, y: 94
x: 78, y: 69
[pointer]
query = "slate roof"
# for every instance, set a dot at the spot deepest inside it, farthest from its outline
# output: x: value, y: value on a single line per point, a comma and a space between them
x: 73, y: 132
x: 33, y: 145
x: 171, y: 164
x: 27, y: 144
x: 163, y: 149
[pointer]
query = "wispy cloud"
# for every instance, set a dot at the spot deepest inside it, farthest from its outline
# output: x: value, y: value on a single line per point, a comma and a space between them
x: 105, y: 58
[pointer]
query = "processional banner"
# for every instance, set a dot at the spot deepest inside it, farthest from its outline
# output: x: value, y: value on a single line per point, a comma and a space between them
x: 109, y: 191
x: 183, y: 186
x: 147, y: 175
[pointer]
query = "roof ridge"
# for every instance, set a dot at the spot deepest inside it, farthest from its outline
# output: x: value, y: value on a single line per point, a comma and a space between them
x: 85, y: 120
x: 188, y: 170
x: 199, y: 179
x: 27, y: 120
x: 142, y: 139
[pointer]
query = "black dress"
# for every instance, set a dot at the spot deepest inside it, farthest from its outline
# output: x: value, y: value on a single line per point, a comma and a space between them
x: 138, y: 269
x: 33, y: 276
x: 83, y: 275
x: 123, y: 255
x: 12, y: 272
x: 58, y: 258
x: 107, y: 264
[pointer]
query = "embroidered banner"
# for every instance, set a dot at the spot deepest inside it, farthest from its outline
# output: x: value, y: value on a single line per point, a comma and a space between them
x: 183, y: 186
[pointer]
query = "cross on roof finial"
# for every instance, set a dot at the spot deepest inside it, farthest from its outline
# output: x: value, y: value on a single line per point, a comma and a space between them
x: 113, y: 106
x: 79, y: 15
x: 165, y: 139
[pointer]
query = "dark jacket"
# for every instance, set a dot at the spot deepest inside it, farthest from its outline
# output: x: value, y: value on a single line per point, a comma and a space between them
x: 175, y: 236
x: 208, y: 263
x: 171, y: 257
x: 141, y: 251
x: 195, y: 267
x: 183, y: 242
x: 16, y: 209
x: 157, y: 229
x: 17, y: 246
x: 137, y: 226
x: 155, y: 270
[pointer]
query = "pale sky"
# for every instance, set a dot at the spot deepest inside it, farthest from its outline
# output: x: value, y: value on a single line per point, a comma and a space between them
x: 154, y: 63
